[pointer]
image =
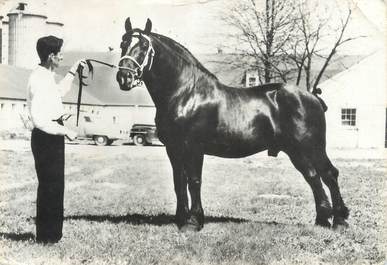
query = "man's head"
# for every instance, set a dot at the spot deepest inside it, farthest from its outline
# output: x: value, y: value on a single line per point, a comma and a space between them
x: 48, y: 49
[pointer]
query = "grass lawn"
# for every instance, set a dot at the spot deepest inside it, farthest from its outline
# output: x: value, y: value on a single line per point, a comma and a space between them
x: 120, y: 202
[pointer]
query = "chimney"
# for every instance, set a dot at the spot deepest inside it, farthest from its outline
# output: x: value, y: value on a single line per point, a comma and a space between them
x: 21, y: 6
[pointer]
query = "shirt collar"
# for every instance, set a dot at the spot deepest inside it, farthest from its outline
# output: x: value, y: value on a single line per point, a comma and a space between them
x: 45, y: 71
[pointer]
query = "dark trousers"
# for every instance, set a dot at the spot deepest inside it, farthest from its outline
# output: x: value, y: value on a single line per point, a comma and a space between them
x: 48, y: 151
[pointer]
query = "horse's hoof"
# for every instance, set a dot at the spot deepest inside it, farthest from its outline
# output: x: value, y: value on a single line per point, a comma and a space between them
x: 191, y: 225
x: 190, y: 228
x: 339, y: 223
x: 180, y: 223
x: 181, y: 220
x: 323, y: 223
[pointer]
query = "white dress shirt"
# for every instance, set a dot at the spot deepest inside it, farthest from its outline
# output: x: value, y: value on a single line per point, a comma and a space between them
x: 44, y: 99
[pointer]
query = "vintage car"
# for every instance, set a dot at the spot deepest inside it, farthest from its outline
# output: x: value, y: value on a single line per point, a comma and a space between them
x: 95, y: 128
x: 144, y: 134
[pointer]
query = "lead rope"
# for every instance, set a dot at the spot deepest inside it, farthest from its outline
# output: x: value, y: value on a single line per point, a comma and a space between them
x: 81, y: 77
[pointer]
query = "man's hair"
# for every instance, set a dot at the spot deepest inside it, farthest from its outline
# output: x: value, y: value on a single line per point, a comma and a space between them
x: 47, y: 45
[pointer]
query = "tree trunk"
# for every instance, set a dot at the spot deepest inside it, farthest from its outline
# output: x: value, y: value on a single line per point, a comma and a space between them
x: 269, y: 40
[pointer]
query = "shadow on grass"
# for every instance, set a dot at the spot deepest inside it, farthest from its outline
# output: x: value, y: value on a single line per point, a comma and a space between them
x: 148, y: 145
x: 158, y: 220
x: 17, y: 236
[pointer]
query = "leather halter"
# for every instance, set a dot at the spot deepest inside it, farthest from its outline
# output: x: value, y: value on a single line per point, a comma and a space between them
x: 137, y: 71
x: 148, y: 59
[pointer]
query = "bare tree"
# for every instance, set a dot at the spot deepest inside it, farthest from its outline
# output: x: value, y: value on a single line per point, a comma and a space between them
x: 284, y: 39
x: 339, y: 41
x: 303, y: 49
x: 262, y: 34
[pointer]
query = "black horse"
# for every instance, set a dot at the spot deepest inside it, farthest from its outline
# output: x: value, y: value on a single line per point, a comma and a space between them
x: 197, y: 115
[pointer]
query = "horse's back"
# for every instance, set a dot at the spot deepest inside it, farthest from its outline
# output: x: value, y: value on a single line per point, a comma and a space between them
x: 268, y: 87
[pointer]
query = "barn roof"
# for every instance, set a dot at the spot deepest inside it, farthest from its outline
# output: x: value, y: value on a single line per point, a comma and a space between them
x: 13, y: 82
x: 361, y: 82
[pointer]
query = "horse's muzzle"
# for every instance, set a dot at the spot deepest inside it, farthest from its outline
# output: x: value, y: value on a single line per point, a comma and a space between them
x: 125, y: 80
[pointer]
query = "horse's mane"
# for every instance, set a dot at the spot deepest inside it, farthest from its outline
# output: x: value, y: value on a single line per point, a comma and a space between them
x: 182, y: 53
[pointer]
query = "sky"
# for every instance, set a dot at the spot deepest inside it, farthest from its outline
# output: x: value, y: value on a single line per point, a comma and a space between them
x: 94, y: 25
x: 97, y: 24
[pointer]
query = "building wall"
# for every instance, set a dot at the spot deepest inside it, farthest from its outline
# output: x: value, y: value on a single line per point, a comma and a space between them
x: 4, y: 43
x: 14, y: 113
x: 1, y: 39
x: 71, y: 108
x: 362, y: 87
x: 128, y: 115
x: 368, y: 132
x: 54, y: 28
x: 24, y: 31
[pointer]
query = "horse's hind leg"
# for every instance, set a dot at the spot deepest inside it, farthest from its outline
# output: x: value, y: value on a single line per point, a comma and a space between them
x: 323, y: 207
x: 329, y: 175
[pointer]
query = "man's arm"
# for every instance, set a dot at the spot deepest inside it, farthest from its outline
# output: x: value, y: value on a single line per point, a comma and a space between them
x: 66, y: 82
x: 64, y: 85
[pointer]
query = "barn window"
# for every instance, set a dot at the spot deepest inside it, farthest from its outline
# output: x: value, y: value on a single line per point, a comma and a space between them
x: 114, y: 119
x: 2, y: 106
x: 348, y: 117
x: 252, y: 81
x: 13, y: 106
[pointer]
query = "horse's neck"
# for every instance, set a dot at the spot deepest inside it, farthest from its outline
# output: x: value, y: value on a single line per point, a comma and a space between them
x: 170, y: 73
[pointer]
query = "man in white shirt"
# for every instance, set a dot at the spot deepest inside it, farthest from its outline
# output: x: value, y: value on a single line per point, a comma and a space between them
x: 44, y: 97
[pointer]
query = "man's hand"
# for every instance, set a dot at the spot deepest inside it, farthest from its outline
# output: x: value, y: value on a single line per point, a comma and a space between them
x: 78, y: 63
x: 71, y: 135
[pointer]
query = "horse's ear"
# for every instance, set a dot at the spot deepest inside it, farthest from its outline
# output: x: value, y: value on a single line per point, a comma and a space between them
x: 128, y: 25
x: 148, y: 26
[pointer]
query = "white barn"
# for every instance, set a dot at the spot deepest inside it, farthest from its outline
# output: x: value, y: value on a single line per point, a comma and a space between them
x: 356, y: 99
x: 14, y: 111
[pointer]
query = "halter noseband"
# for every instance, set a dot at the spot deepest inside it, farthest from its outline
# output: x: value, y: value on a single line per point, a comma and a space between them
x: 139, y: 69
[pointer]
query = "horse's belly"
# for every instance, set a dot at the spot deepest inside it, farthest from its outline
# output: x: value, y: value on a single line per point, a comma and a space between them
x: 240, y: 138
x: 234, y: 149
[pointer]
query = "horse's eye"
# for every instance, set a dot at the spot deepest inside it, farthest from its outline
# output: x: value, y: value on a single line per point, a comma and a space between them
x: 144, y: 44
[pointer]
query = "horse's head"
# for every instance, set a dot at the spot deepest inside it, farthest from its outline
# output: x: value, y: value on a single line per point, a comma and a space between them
x: 136, y: 55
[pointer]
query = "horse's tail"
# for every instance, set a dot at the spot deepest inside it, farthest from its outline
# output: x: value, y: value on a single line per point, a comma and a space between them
x: 316, y: 92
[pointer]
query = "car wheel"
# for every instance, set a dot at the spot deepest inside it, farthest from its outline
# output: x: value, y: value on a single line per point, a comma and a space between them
x: 139, y: 140
x: 101, y: 140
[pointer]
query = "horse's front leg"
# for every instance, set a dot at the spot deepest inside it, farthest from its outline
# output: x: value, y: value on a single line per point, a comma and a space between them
x: 175, y: 155
x: 193, y: 164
